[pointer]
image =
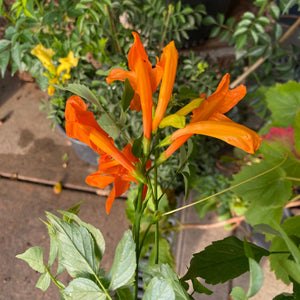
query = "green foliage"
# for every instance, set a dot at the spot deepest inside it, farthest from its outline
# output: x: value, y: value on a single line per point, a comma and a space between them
x: 222, y: 261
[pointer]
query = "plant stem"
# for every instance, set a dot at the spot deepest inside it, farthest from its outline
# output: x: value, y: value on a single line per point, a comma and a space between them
x: 225, y: 190
x: 137, y: 223
x: 112, y: 28
x: 53, y: 279
x: 156, y: 209
x: 170, y: 11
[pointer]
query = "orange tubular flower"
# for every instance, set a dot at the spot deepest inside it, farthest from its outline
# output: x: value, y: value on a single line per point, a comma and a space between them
x: 143, y: 78
x: 209, y: 119
x: 81, y: 125
x: 111, y: 171
x: 169, y: 65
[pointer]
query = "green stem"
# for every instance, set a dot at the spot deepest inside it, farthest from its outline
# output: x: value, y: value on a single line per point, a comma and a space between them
x: 137, y: 224
x: 156, y: 245
x: 226, y: 190
x: 170, y: 11
x: 292, y: 178
x: 262, y: 8
x: 112, y: 28
x: 53, y: 279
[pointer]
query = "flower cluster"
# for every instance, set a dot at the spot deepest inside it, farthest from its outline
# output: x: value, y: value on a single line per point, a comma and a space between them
x: 56, y: 75
x: 207, y: 118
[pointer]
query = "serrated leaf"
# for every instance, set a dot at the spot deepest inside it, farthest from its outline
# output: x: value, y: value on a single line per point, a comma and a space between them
x: 4, y: 59
x: 82, y: 91
x: 256, y: 278
x: 297, y: 131
x: 284, y: 101
x: 34, y: 257
x: 124, y: 294
x: 76, y: 246
x: 83, y: 288
x: 285, y: 296
x: 16, y: 55
x: 200, y: 288
x: 165, y: 274
x: 3, y: 44
x: 109, y: 126
x: 96, y: 234
x: 222, y: 261
x: 291, y: 228
x: 123, y: 269
x: 127, y: 95
x: 266, y: 194
x: 292, y: 269
x: 238, y: 293
x: 160, y: 289
x: 43, y: 282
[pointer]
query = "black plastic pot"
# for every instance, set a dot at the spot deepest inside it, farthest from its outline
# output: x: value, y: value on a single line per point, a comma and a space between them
x: 83, y: 151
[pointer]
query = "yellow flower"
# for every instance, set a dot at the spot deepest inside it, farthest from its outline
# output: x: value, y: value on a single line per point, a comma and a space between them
x: 44, y: 55
x: 66, y: 63
x: 51, y: 89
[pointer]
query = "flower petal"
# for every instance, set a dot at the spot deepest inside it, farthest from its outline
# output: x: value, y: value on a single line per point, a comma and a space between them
x: 169, y: 65
x: 98, y: 180
x: 230, y: 132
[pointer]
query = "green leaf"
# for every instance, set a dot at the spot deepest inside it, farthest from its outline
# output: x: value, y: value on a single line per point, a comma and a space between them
x: 254, y: 36
x: 123, y: 269
x: 238, y: 293
x: 277, y: 31
x: 165, y: 254
x: 127, y: 95
x: 241, y: 41
x: 214, y: 32
x: 174, y: 120
x: 83, y: 288
x: 160, y: 289
x: 34, y: 257
x: 297, y: 131
x: 124, y: 294
x: 291, y: 229
x: 76, y: 246
x: 209, y: 20
x: 267, y: 194
x: 240, y: 31
x: 256, y: 278
x: 284, y: 101
x: 108, y: 125
x: 274, y: 11
x: 43, y: 282
x: 222, y: 261
x: 263, y: 20
x: 96, y: 234
x: 169, y: 281
x: 200, y: 288
x: 16, y: 55
x: 82, y: 91
x: 4, y: 59
x: 285, y: 296
x: 248, y: 15
x: 4, y: 44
